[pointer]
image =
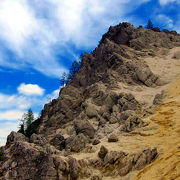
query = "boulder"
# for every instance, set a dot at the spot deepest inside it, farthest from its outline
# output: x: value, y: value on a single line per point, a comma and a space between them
x: 99, y: 97
x: 103, y: 151
x: 125, y: 170
x: 76, y: 143
x: 150, y: 154
x: 126, y: 114
x: 15, y: 137
x: 128, y: 102
x: 74, y: 168
x: 38, y: 139
x: 111, y: 157
x: 91, y: 112
x: 158, y: 99
x: 84, y: 127
x: 141, y: 162
x: 58, y: 141
x: 146, y: 157
x: 145, y: 75
x: 113, y: 120
x: 46, y: 169
x: 131, y: 123
x: 96, y: 141
x: 112, y: 138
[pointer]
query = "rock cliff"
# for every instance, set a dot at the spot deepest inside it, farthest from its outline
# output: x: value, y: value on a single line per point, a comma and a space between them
x: 113, y: 120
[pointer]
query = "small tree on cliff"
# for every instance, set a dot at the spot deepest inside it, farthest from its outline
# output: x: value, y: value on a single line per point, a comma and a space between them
x: 26, y: 122
x: 29, y: 118
x: 76, y: 65
x: 22, y: 125
x: 149, y: 24
x: 63, y: 79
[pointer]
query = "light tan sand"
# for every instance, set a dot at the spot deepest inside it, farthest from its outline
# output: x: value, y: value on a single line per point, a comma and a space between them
x: 162, y: 132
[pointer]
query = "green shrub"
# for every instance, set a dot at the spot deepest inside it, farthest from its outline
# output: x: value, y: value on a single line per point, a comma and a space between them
x: 1, y: 156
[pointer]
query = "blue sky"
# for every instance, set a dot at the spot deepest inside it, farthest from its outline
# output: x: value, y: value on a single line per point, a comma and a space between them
x: 40, y: 39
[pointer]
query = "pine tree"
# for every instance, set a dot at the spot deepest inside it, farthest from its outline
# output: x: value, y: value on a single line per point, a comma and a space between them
x: 29, y: 118
x: 63, y: 79
x: 149, y: 24
x: 76, y: 65
x: 22, y: 124
x: 25, y: 122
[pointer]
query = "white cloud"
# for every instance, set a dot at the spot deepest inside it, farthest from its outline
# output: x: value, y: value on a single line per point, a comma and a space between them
x: 164, y: 2
x: 12, y: 107
x: 164, y: 21
x: 17, y: 22
x: 11, y: 115
x: 5, y: 129
x: 30, y: 89
x: 2, y: 141
x: 53, y: 95
x: 13, y: 101
x: 23, y: 102
x: 36, y: 31
x: 177, y: 24
x: 30, y: 38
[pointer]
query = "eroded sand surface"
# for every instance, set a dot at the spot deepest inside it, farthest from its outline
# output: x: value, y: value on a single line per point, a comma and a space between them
x: 163, y: 130
x: 166, y: 138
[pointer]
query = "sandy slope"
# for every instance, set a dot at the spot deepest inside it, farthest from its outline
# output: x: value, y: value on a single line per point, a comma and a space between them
x: 167, y: 135
x: 167, y: 138
x: 163, y: 130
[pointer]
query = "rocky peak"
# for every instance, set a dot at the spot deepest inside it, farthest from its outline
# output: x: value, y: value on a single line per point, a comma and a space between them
x: 95, y: 112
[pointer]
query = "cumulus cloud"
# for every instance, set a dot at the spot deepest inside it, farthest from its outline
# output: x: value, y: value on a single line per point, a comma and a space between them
x: 12, y: 107
x: 13, y: 101
x: 24, y: 101
x: 30, y: 89
x: 11, y: 115
x: 37, y: 34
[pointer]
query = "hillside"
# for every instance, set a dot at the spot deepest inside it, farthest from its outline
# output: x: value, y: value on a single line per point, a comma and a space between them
x: 117, y: 119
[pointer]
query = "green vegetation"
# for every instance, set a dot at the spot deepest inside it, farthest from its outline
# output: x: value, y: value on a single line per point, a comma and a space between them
x: 73, y: 69
x: 26, y: 121
x: 33, y: 127
x: 63, y: 79
x: 28, y: 124
x: 149, y: 24
x: 76, y: 65
x: 1, y: 156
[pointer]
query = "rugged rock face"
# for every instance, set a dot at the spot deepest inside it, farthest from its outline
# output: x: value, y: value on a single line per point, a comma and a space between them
x: 96, y: 112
